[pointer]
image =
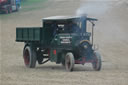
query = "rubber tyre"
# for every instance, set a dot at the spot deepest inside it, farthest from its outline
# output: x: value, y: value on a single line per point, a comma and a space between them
x: 29, y: 56
x: 69, y: 62
x: 97, y: 62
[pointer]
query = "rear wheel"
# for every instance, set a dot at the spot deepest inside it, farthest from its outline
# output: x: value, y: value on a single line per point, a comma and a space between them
x: 29, y: 56
x: 40, y: 57
x: 69, y: 61
x: 97, y: 61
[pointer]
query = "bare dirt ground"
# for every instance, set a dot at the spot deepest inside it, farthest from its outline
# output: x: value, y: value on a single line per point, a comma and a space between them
x: 111, y: 34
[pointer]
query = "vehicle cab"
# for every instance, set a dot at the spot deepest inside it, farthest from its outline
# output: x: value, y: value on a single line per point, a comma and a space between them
x: 67, y: 30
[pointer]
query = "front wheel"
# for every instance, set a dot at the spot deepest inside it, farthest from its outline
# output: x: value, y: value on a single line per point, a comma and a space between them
x: 97, y: 61
x: 29, y: 56
x: 69, y: 61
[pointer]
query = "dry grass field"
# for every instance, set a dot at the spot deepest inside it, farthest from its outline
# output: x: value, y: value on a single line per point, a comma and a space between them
x: 111, y: 34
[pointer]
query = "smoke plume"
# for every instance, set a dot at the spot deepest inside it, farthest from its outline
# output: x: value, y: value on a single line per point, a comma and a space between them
x: 112, y: 16
x: 93, y: 8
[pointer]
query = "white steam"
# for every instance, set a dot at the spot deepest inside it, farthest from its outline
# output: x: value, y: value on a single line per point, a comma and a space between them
x: 93, y: 8
x: 112, y: 16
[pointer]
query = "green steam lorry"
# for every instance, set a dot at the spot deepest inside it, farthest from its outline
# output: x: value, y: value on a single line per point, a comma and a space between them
x: 61, y: 39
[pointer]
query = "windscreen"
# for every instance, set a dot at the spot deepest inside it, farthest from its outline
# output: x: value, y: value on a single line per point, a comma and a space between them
x: 71, y: 27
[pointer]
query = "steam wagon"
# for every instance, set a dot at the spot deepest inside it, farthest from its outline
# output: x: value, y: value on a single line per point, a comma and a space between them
x: 61, y: 39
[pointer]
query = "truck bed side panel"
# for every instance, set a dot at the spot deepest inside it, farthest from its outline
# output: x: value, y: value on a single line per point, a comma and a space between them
x: 28, y: 34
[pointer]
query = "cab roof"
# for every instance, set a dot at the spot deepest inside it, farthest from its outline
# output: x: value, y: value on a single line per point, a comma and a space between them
x: 56, y: 18
x: 66, y: 18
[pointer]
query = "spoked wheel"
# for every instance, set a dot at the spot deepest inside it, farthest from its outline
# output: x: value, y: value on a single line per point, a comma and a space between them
x: 29, y: 56
x: 39, y: 56
x: 69, y: 61
x: 97, y: 62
